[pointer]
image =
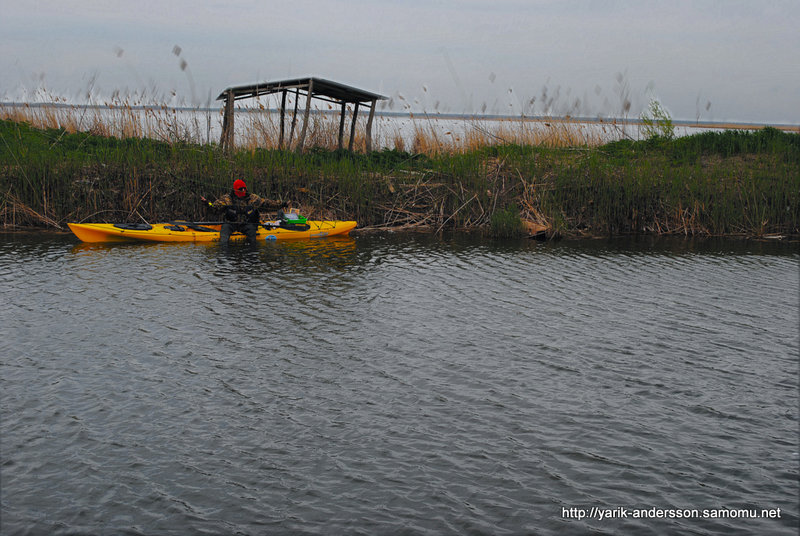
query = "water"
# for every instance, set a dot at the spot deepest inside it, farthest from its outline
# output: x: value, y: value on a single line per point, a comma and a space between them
x: 256, y: 125
x: 399, y: 385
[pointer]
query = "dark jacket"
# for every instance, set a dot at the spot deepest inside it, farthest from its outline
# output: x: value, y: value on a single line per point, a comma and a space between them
x: 243, y: 209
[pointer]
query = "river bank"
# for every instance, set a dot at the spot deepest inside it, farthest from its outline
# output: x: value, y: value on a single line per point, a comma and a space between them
x: 710, y: 184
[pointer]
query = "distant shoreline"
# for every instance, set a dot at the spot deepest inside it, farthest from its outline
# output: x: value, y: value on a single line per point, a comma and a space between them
x: 424, y: 115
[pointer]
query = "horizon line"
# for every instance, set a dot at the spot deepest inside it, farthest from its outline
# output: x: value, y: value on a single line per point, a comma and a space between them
x: 698, y: 123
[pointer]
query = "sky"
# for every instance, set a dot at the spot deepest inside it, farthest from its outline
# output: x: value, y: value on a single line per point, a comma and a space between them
x: 708, y: 60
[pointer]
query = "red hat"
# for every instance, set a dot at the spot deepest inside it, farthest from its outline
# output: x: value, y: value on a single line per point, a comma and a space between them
x: 239, y: 188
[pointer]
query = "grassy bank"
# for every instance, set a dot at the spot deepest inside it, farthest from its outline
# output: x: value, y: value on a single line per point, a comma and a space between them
x: 729, y: 183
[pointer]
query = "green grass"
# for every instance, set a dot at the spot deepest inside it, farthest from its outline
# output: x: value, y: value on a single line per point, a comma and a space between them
x: 506, y: 223
x: 715, y: 183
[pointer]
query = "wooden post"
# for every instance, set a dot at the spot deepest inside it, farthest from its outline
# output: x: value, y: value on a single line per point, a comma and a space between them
x: 302, y: 140
x: 369, y: 126
x: 341, y: 124
x: 224, y: 124
x: 294, y: 117
x: 353, y: 128
x: 226, y: 139
x: 283, y: 116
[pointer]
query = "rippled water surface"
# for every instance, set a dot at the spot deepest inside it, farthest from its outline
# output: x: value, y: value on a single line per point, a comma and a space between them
x: 388, y: 385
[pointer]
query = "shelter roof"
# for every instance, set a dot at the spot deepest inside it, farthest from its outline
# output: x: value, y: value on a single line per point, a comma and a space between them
x: 321, y: 88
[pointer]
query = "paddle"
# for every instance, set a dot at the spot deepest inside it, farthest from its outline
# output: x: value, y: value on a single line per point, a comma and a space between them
x: 199, y: 226
x: 196, y: 226
x: 291, y: 220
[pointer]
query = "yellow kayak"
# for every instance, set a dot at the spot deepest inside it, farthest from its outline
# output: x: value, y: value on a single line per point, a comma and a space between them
x: 182, y: 231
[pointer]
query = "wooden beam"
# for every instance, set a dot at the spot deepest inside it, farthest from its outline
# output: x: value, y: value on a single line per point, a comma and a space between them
x: 226, y: 139
x: 369, y: 126
x: 341, y: 124
x: 294, y: 117
x: 283, y: 116
x: 310, y: 94
x: 353, y: 128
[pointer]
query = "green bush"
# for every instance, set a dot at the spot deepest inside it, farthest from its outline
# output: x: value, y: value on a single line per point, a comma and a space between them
x: 506, y: 223
x: 656, y: 122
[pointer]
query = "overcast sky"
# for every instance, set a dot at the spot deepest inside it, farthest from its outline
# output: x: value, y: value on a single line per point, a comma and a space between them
x: 713, y: 59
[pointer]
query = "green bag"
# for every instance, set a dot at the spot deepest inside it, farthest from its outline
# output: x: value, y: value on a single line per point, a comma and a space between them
x: 292, y: 218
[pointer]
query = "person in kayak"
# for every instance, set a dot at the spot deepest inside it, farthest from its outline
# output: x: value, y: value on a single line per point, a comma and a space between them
x: 240, y: 211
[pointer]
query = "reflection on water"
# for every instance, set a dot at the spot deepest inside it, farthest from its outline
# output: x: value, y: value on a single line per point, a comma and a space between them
x: 397, y: 384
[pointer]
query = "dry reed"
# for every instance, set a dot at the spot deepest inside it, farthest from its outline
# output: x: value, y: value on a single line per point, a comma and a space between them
x: 259, y: 127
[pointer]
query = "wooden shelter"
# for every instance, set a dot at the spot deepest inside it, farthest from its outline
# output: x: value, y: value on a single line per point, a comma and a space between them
x: 311, y: 88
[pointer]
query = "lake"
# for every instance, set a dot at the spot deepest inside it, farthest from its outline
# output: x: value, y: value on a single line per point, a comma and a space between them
x: 399, y: 384
x: 256, y: 126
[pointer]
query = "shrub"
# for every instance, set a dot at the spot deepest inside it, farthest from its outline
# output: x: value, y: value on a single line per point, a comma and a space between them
x: 506, y: 223
x: 656, y: 122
